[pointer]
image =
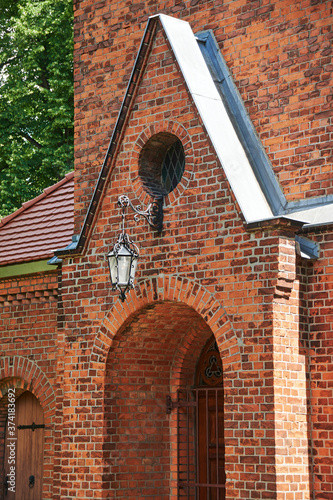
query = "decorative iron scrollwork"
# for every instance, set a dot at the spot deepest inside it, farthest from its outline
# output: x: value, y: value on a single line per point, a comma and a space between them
x: 153, y: 213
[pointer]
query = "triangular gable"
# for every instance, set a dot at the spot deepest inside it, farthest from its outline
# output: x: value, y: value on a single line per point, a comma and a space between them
x: 232, y: 135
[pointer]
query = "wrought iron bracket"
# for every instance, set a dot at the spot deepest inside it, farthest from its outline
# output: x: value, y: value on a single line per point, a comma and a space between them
x: 153, y: 213
x: 170, y: 404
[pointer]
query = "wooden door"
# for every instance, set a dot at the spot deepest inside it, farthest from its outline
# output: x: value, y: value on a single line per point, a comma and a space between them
x: 210, y: 425
x: 27, y: 453
x: 210, y: 444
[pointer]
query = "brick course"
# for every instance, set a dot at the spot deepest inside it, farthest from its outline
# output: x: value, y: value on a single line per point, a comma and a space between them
x: 102, y: 368
x: 279, y: 54
x: 29, y: 353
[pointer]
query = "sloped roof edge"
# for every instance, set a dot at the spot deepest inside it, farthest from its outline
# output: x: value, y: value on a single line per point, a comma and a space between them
x: 78, y: 246
x: 41, y: 225
x: 317, y: 210
x: 35, y: 200
x: 241, y: 121
x: 216, y: 119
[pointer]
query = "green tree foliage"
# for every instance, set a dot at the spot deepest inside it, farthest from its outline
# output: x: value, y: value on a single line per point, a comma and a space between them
x: 36, y: 97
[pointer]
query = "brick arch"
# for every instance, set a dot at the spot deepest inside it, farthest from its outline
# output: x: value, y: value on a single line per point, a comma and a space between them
x: 176, y: 129
x: 23, y: 374
x: 122, y: 356
x: 174, y: 289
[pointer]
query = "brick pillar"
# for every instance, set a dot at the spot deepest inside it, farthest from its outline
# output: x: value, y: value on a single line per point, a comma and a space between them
x: 289, y: 379
x: 82, y: 454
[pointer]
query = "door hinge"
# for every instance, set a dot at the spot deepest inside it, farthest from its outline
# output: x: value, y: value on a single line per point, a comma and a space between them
x: 170, y: 405
x: 32, y: 426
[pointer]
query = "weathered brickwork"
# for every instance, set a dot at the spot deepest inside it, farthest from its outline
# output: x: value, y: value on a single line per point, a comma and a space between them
x: 102, y: 369
x: 279, y: 54
x: 29, y: 354
x: 318, y: 330
x: 242, y: 283
x: 290, y: 370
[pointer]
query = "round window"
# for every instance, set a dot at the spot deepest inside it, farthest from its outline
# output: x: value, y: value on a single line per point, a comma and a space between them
x: 162, y: 164
x: 173, y: 166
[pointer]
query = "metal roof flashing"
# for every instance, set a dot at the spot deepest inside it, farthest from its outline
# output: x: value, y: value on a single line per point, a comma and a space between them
x: 216, y: 119
x: 306, y: 248
x: 63, y: 251
x: 241, y: 121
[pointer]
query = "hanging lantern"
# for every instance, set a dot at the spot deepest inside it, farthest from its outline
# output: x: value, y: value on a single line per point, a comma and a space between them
x: 122, y: 264
x: 123, y: 257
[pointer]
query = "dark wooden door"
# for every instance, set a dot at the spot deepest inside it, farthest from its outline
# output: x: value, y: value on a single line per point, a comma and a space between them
x: 210, y: 430
x: 210, y: 424
x: 29, y: 431
x: 200, y: 431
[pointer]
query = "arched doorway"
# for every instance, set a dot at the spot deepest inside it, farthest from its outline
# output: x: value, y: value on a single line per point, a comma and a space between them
x: 153, y: 354
x: 152, y: 358
x: 23, y: 448
x: 200, y: 430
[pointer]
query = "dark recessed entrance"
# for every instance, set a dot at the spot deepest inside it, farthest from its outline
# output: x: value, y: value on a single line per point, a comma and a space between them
x: 200, y: 431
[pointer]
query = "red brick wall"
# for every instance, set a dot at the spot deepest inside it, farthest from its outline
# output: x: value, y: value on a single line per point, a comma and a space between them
x: 244, y: 286
x: 102, y: 368
x: 279, y: 54
x: 137, y: 383
x: 318, y: 332
x: 290, y: 387
x: 29, y: 352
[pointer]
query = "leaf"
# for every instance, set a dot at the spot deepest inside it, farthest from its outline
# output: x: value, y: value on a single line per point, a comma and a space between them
x: 36, y: 97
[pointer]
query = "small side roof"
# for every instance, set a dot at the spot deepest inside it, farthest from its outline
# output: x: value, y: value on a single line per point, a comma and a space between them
x: 40, y: 226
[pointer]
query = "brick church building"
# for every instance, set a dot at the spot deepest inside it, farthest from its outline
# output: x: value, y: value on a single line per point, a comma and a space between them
x: 211, y: 377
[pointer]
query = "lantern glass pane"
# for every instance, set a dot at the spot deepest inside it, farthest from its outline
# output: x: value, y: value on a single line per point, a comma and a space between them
x: 113, y: 268
x: 124, y: 267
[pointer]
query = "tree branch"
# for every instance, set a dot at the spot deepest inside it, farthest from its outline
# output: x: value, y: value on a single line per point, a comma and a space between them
x: 31, y: 140
x: 45, y: 83
x: 9, y: 60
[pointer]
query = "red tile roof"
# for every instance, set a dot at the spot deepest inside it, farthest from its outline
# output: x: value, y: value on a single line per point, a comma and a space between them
x: 40, y: 226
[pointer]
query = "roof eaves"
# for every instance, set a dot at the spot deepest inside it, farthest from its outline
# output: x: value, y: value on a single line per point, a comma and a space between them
x: 24, y: 268
x: 32, y: 202
x: 274, y: 222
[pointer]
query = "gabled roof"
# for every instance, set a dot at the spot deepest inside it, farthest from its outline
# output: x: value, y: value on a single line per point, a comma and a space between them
x: 227, y: 124
x: 40, y: 226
